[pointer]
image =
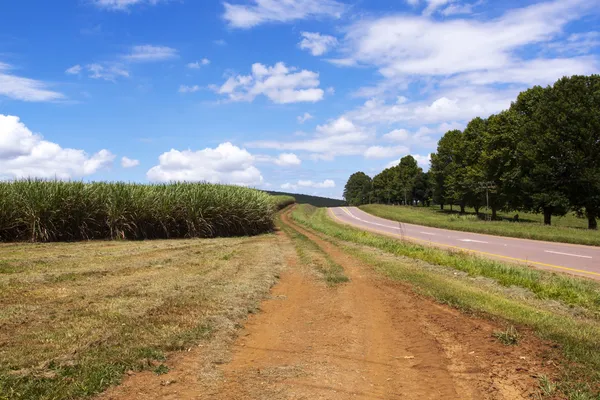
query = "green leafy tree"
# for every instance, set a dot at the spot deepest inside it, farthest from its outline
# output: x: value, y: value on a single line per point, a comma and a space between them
x: 445, y: 167
x: 384, y: 186
x: 499, y: 163
x: 569, y: 119
x: 543, y: 172
x: 358, y: 189
x: 408, y: 171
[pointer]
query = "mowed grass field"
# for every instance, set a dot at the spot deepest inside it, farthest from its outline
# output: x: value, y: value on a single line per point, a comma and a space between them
x: 567, y: 229
x: 555, y: 307
x: 75, y: 317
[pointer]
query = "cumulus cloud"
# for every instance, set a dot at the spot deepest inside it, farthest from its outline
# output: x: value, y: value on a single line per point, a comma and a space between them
x: 397, y: 135
x: 422, y: 161
x: 303, y: 118
x: 403, y: 45
x: 150, y: 53
x: 225, y: 164
x: 25, y: 89
x: 326, y: 184
x: 25, y: 154
x: 385, y: 151
x: 127, y: 162
x: 339, y: 137
x: 287, y: 159
x: 278, y: 83
x: 451, y: 104
x: 316, y: 43
x: 269, y: 11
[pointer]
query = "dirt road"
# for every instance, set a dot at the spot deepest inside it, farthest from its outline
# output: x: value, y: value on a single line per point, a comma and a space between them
x: 370, y: 338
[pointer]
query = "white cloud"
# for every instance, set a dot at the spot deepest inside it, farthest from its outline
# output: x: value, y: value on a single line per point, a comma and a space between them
x: 326, y: 184
x: 458, y: 9
x: 25, y: 154
x: 287, y: 159
x: 266, y: 11
x: 123, y: 5
x: 397, y: 135
x: 316, y: 43
x: 423, y: 161
x: 340, y: 137
x: 127, y: 162
x: 220, y: 42
x: 410, y: 45
x: 303, y: 118
x: 225, y: 164
x: 434, y: 5
x: 25, y: 89
x: 278, y: 83
x: 74, y: 70
x: 189, y: 89
x: 150, y: 53
x: 107, y: 72
x: 385, y: 151
x: 457, y: 103
x: 198, y: 64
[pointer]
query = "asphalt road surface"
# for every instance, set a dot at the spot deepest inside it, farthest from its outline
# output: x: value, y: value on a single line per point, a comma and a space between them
x: 569, y: 258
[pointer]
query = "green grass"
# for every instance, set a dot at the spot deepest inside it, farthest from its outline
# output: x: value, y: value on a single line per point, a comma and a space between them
x: 571, y: 291
x: 48, y: 211
x: 126, y: 306
x: 567, y: 229
x: 576, y: 333
x: 508, y: 337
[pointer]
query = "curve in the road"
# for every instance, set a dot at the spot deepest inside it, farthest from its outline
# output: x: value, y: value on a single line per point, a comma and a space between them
x: 575, y: 259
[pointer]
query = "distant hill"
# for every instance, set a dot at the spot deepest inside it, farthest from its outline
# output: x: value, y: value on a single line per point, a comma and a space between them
x: 312, y: 200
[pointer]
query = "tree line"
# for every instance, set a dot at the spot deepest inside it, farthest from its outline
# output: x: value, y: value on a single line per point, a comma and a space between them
x: 542, y: 155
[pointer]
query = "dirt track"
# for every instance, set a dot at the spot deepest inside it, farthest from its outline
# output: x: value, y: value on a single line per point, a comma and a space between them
x: 368, y: 339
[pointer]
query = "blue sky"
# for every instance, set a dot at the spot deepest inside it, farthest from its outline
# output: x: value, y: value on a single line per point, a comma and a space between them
x: 291, y: 95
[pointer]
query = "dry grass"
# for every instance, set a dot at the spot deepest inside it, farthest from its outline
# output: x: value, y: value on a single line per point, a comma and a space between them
x: 75, y: 316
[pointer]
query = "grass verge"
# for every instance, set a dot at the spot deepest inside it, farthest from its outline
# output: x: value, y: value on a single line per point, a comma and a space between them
x: 74, y: 317
x: 567, y: 229
x: 578, y: 338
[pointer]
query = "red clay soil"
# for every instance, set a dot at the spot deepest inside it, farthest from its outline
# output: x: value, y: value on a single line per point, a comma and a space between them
x: 370, y: 338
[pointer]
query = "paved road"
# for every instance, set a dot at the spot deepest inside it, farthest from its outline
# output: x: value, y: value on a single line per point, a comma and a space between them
x: 570, y: 258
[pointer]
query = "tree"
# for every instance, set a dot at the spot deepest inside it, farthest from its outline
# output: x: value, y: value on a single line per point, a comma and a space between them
x: 569, y: 119
x: 408, y: 170
x: 499, y: 161
x: 445, y: 167
x: 438, y: 180
x: 384, y: 187
x: 542, y: 171
x: 423, y: 189
x: 358, y: 189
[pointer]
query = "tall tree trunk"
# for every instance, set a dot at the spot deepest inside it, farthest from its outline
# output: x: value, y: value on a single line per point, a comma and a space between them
x: 451, y: 207
x: 494, y: 213
x: 547, y: 216
x: 476, y: 210
x: 442, y: 206
x: 592, y: 222
x: 462, y: 208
